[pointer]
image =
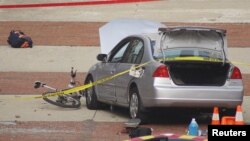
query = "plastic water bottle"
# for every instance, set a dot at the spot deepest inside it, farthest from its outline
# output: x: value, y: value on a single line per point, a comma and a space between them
x: 193, y: 128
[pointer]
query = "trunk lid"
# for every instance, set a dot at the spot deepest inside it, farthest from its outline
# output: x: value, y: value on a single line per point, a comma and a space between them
x: 192, y: 37
x: 194, y: 56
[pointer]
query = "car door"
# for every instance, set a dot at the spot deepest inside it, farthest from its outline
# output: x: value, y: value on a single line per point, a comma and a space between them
x: 133, y: 55
x: 106, y: 90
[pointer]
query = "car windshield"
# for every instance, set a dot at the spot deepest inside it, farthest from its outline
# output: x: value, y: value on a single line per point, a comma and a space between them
x: 189, y: 52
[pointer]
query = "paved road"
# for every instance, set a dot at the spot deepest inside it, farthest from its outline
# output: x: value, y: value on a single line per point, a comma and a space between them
x: 43, y: 111
x: 43, y: 121
x: 50, y: 60
x: 212, y: 11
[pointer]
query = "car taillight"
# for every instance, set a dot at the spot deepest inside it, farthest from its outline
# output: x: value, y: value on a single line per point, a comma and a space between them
x: 236, y: 74
x: 161, y: 71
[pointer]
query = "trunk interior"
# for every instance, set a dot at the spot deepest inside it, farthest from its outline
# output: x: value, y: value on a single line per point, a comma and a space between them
x: 198, y: 73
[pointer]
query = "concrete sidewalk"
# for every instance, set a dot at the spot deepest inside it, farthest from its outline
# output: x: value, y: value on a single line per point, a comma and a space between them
x: 47, y: 58
x: 39, y: 110
x: 60, y: 59
x: 209, y: 11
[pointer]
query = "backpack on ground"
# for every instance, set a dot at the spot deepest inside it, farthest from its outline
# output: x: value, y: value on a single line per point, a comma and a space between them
x: 17, y: 39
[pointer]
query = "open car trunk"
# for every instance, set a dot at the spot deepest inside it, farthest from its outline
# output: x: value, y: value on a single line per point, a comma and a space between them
x: 195, y: 73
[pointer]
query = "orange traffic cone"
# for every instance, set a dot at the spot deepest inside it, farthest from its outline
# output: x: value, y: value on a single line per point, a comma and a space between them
x: 227, y: 120
x: 239, y: 116
x: 216, y: 118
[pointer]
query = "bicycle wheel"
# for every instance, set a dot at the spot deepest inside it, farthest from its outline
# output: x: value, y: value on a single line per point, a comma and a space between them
x: 65, y: 101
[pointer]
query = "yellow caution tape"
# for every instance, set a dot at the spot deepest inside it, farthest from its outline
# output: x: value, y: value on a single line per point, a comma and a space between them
x: 147, y: 137
x: 206, y: 59
x: 83, y: 87
x: 186, y: 137
x: 86, y: 86
x: 192, y: 58
x: 170, y: 136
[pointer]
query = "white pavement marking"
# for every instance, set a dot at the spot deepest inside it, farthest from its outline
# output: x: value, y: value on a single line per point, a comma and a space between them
x: 209, y: 11
x: 34, y: 130
x: 12, y: 109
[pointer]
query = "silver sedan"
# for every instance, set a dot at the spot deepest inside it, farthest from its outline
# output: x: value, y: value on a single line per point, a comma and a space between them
x: 185, y: 67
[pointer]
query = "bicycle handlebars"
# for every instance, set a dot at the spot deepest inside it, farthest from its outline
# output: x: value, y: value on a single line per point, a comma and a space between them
x: 38, y: 84
x: 73, y: 73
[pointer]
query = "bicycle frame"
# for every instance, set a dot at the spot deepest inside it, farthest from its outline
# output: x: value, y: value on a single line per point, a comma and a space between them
x: 67, y: 101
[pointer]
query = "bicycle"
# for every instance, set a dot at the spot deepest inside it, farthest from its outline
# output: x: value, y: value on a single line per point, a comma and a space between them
x: 71, y: 100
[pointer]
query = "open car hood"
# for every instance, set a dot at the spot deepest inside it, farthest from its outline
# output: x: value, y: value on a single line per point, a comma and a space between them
x: 114, y: 31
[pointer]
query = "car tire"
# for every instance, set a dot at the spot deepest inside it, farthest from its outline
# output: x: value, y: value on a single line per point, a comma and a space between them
x: 135, y: 106
x: 91, y: 99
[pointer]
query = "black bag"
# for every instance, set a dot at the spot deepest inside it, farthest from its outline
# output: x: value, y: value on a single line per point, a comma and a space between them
x: 140, y: 131
x: 18, y: 39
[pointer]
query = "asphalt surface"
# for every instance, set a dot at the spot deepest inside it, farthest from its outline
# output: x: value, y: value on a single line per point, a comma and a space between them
x: 66, y: 36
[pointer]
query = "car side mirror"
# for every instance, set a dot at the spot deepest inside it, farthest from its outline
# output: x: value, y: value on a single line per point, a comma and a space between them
x: 102, y: 57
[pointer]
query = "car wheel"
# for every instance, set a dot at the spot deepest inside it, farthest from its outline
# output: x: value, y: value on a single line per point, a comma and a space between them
x: 91, y: 98
x: 135, y: 105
